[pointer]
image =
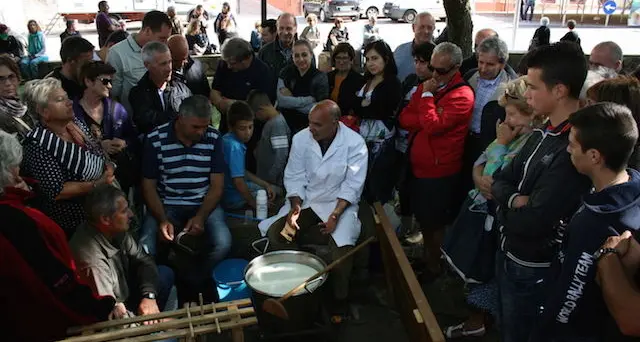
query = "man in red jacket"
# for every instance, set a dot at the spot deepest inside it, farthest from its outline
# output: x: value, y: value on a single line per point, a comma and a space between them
x: 437, y: 118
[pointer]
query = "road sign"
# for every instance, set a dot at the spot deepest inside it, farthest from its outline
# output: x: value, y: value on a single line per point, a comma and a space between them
x: 609, y: 7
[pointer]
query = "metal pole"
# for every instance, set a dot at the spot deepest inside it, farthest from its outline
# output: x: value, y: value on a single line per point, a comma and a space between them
x: 606, y: 21
x: 263, y: 10
x: 516, y: 22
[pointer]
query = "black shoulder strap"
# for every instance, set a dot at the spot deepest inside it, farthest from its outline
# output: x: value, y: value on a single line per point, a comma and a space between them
x: 440, y: 95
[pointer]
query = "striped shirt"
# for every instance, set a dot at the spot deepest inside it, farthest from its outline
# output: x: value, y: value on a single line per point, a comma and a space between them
x: 182, y: 172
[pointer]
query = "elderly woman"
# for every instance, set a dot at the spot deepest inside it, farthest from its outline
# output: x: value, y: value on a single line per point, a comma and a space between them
x: 344, y: 82
x: 311, y: 32
x: 37, y: 264
x: 13, y: 114
x: 542, y: 35
x: 61, y: 155
x: 300, y: 86
x: 338, y: 34
x: 108, y: 120
x: 36, y: 49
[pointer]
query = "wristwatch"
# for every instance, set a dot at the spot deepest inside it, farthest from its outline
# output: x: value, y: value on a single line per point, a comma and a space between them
x: 149, y: 295
x: 604, y: 251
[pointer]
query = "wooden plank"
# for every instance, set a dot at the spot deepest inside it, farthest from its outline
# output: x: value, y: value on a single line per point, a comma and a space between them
x: 419, y: 320
x: 237, y: 334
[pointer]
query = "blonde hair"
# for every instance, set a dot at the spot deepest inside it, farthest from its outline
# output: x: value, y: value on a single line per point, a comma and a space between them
x: 193, y: 26
x: 36, y: 94
x: 514, y: 95
x: 312, y: 16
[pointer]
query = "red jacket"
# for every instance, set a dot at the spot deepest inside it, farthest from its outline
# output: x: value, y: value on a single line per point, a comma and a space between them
x: 41, y: 292
x: 438, y: 124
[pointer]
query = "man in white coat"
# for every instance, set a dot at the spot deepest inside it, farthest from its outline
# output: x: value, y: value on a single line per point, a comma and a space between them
x: 324, y: 179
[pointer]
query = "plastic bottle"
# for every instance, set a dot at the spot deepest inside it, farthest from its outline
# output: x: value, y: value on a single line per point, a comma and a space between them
x: 261, y: 205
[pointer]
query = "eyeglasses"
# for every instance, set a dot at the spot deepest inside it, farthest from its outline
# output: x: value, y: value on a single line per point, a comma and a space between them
x: 441, y: 71
x: 105, y: 81
x: 9, y: 78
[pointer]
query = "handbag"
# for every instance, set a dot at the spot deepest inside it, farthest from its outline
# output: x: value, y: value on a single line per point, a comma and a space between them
x: 470, y: 244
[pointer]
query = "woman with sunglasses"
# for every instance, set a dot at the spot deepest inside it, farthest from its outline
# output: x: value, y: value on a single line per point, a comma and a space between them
x: 464, y: 237
x: 107, y: 119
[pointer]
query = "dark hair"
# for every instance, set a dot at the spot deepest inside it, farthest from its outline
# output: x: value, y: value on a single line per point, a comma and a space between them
x: 101, y: 3
x: 116, y: 37
x: 608, y: 128
x: 70, y: 23
x: 93, y: 69
x: 571, y: 24
x: 38, y: 29
x: 624, y: 90
x: 258, y: 98
x: 343, y: 48
x: 561, y: 63
x: 101, y: 201
x: 239, y: 111
x: 6, y: 60
x: 74, y: 46
x: 383, y: 49
x: 521, y: 69
x: 423, y: 51
x: 303, y: 42
x: 271, y: 24
x: 155, y: 20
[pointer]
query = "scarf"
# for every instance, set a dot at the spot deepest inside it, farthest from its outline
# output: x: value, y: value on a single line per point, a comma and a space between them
x: 12, y: 116
x: 73, y: 156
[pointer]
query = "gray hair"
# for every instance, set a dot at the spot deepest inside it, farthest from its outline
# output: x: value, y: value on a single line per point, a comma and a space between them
x: 102, y: 201
x: 197, y: 106
x: 36, y: 94
x: 150, y: 50
x: 496, y: 46
x: 615, y: 51
x: 423, y: 14
x: 236, y: 48
x: 10, y: 159
x: 544, y: 21
x: 454, y: 52
x: 594, y: 76
x: 171, y: 8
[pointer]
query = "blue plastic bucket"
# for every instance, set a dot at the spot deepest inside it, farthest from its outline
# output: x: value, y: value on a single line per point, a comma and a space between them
x: 229, y: 277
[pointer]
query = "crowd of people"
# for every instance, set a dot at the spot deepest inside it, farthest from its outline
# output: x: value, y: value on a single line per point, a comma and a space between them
x: 523, y: 180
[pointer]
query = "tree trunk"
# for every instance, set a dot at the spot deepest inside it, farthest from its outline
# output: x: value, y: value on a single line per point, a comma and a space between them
x: 460, y: 24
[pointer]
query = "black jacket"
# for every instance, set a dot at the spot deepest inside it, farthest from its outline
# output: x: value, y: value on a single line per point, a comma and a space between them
x: 348, y: 88
x: 73, y: 89
x: 385, y: 99
x: 193, y: 75
x: 146, y: 105
x: 575, y: 306
x: 543, y: 171
x: 273, y: 56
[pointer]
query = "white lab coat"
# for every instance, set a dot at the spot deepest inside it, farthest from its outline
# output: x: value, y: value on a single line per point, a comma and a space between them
x: 320, y: 180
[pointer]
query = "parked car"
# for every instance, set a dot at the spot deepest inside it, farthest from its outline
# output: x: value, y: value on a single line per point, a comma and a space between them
x: 406, y: 10
x: 327, y: 10
x: 369, y: 8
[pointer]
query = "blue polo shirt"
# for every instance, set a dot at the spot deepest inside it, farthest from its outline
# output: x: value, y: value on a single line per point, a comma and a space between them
x: 182, y: 172
x: 234, y: 157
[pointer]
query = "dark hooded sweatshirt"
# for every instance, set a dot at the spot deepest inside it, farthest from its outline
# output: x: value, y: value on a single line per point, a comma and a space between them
x: 575, y: 309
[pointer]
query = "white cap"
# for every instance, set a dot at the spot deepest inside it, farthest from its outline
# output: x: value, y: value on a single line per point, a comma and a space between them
x: 262, y: 193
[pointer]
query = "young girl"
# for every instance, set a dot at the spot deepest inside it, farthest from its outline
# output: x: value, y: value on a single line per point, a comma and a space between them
x: 511, y: 136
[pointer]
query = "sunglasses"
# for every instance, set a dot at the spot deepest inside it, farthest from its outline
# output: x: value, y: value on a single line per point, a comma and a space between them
x: 105, y: 81
x: 441, y: 71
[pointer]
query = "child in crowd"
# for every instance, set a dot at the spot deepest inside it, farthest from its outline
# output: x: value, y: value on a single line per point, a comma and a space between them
x: 240, y: 185
x: 272, y: 151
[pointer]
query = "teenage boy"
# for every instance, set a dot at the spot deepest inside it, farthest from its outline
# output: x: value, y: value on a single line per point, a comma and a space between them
x: 240, y: 185
x: 539, y: 190
x: 272, y: 151
x: 602, y: 138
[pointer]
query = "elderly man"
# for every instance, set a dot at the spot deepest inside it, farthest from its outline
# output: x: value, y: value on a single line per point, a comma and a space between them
x: 237, y: 74
x: 324, y: 180
x: 423, y: 28
x: 126, y: 56
x: 607, y: 54
x: 279, y: 53
x: 437, y: 118
x: 156, y: 98
x: 186, y: 201
x: 112, y: 263
x: 487, y: 82
x: 186, y: 69
x: 176, y: 24
x: 75, y: 52
x: 472, y: 62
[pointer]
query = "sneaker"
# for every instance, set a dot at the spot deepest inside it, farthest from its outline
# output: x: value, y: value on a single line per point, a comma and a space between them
x: 458, y: 331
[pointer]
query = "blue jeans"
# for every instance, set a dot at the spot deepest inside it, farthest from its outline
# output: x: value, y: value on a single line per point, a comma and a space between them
x: 167, y: 296
x: 29, y: 67
x: 216, y: 229
x: 521, y: 293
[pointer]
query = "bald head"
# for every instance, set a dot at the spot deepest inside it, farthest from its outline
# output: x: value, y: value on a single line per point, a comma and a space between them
x: 423, y: 28
x: 323, y: 120
x: 607, y: 54
x: 287, y: 28
x: 179, y: 50
x: 482, y: 35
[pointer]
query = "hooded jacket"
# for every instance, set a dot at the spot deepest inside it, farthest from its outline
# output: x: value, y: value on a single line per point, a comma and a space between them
x: 575, y: 309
